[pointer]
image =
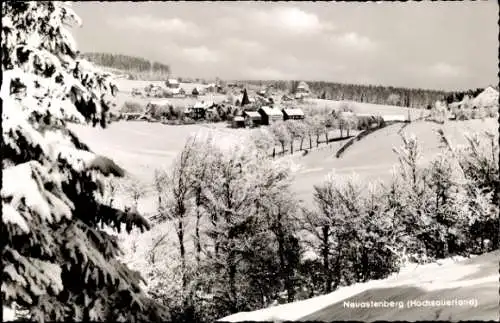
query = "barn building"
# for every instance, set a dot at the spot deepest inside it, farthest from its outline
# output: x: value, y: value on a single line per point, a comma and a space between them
x: 238, y: 122
x: 199, y: 111
x: 293, y: 114
x: 172, y: 83
x: 302, y: 90
x: 270, y: 115
x: 252, y: 118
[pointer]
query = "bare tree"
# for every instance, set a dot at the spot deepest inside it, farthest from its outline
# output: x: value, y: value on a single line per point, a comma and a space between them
x: 281, y: 134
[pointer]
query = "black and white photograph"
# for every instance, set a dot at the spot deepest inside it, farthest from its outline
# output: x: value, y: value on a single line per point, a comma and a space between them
x: 262, y: 161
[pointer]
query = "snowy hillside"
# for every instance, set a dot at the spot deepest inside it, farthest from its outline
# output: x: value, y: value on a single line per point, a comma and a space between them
x: 373, y: 158
x: 451, y: 281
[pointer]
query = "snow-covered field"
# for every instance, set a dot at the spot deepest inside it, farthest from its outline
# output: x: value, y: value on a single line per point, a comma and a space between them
x: 141, y: 147
x: 461, y: 289
x: 362, y: 108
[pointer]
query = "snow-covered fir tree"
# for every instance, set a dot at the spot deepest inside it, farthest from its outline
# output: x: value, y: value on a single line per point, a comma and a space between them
x: 59, y: 263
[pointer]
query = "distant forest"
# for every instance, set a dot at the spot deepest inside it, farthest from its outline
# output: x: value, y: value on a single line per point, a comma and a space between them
x: 376, y: 94
x: 127, y: 63
x: 141, y: 68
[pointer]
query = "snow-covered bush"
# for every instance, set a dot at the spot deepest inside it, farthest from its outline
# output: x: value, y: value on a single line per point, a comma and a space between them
x: 478, y: 162
x: 58, y: 263
x: 438, y: 112
x: 353, y: 232
x: 448, y: 205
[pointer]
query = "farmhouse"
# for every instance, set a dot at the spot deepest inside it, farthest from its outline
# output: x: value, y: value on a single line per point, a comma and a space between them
x: 178, y: 92
x: 210, y: 113
x: 302, y: 90
x: 210, y: 87
x: 238, y: 122
x: 172, y: 83
x: 292, y: 114
x: 270, y: 115
x: 252, y: 118
x: 262, y: 92
x: 199, y: 110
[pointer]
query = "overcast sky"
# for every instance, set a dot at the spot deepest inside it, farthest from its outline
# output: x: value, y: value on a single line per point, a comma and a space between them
x: 439, y: 45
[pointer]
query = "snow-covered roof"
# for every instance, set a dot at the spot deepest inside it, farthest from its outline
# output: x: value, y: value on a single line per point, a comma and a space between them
x: 303, y: 85
x: 487, y: 98
x: 238, y: 118
x: 271, y: 111
x: 294, y: 112
x: 200, y: 105
x: 173, y: 81
x: 252, y: 114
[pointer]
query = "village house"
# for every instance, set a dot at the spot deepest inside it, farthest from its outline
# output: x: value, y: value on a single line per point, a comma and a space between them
x: 199, y: 110
x: 293, y: 114
x: 238, y: 122
x: 179, y: 93
x: 172, y: 83
x: 270, y: 115
x: 210, y: 113
x: 302, y: 90
x: 252, y: 118
x: 270, y: 90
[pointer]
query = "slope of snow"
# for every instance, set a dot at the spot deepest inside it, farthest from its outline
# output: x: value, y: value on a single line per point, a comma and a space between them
x: 373, y: 158
x: 472, y: 280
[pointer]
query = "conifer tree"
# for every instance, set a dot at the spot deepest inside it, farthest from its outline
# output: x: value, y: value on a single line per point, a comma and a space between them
x: 59, y: 263
x: 245, y: 99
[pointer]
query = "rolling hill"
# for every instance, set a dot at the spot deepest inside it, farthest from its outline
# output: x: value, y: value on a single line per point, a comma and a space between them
x: 372, y: 158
